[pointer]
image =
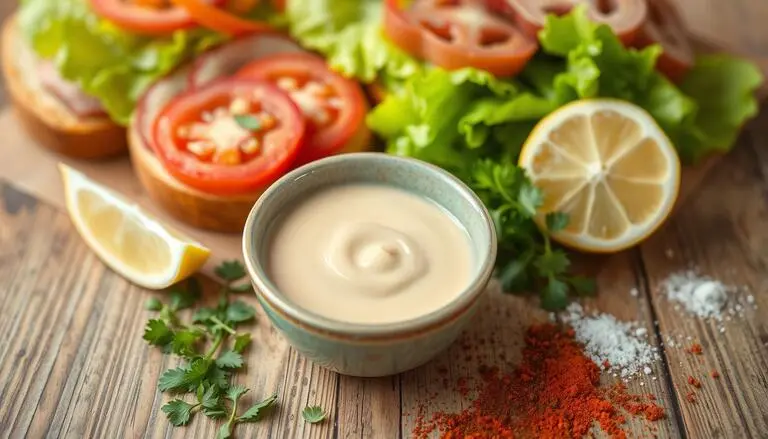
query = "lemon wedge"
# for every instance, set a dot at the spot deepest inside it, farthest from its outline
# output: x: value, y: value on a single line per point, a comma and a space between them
x: 128, y: 240
x: 608, y: 165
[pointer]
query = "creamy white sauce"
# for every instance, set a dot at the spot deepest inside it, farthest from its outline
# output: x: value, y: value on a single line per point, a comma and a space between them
x: 369, y: 254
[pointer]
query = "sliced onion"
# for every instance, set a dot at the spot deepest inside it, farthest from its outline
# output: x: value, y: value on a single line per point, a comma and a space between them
x: 228, y: 58
x: 666, y: 28
x: 156, y: 98
x: 68, y: 93
x: 624, y: 16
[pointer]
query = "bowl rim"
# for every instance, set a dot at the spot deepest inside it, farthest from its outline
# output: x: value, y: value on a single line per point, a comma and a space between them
x: 306, y: 317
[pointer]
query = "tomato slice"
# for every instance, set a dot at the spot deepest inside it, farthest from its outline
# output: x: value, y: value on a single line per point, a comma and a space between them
x: 624, y: 16
x: 665, y: 27
x: 146, y: 16
x: 231, y: 136
x: 218, y: 19
x: 333, y: 105
x: 458, y: 33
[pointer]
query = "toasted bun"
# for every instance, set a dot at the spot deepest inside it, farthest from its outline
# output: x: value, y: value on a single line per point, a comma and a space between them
x: 185, y: 203
x: 51, y: 123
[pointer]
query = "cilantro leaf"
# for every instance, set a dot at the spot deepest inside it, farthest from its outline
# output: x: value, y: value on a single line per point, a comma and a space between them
x: 197, y: 371
x: 235, y: 392
x: 241, y: 342
x: 238, y: 312
x: 173, y: 379
x: 182, y: 298
x: 218, y: 377
x: 210, y: 398
x: 530, y: 199
x: 153, y: 304
x: 253, y: 414
x: 230, y: 271
x: 225, y: 432
x: 184, y: 341
x: 229, y: 360
x: 555, y: 295
x: 202, y: 315
x: 313, y: 414
x: 557, y: 221
x: 158, y: 333
x: 178, y: 412
x: 552, y: 264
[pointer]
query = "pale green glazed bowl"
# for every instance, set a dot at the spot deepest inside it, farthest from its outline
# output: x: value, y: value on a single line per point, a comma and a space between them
x: 377, y: 349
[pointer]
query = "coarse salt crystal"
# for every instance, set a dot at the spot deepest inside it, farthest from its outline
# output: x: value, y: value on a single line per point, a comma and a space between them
x: 607, y: 339
x: 634, y: 292
x: 647, y: 370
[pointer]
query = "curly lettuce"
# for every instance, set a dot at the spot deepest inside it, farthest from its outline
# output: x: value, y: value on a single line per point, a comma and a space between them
x: 349, y: 34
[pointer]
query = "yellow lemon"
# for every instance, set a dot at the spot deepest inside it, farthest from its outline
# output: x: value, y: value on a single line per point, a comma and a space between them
x: 608, y: 165
x: 134, y: 244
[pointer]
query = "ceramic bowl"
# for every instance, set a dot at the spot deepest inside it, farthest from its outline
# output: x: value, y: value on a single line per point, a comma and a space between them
x: 376, y: 349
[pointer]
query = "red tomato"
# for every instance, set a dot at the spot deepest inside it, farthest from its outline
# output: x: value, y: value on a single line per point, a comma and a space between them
x: 333, y: 105
x: 231, y: 136
x: 218, y: 19
x: 459, y: 33
x: 146, y: 16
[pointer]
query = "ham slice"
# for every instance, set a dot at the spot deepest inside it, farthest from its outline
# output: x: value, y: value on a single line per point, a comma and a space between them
x: 68, y: 92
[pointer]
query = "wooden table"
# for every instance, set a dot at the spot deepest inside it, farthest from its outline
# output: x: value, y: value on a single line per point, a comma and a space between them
x: 73, y: 363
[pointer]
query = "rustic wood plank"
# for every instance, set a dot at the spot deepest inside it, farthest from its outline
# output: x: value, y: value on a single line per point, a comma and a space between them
x: 722, y: 231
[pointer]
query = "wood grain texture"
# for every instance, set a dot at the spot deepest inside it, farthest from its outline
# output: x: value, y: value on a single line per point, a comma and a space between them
x: 722, y: 233
x: 73, y: 364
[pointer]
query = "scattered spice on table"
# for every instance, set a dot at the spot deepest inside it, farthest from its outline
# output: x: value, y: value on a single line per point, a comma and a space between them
x: 715, y: 374
x: 694, y: 382
x: 554, y: 392
x: 690, y: 397
x: 695, y: 349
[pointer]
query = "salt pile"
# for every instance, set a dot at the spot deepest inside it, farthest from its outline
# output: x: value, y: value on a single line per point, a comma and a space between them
x: 621, y: 346
x: 700, y: 295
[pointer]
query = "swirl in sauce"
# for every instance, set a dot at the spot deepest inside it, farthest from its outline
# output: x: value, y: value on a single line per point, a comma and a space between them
x: 369, y: 254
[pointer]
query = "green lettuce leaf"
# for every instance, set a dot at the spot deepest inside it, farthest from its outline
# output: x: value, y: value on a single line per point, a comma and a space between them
x: 349, y: 34
x: 108, y: 63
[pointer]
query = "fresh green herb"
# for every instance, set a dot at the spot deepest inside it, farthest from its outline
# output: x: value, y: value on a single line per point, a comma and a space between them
x: 253, y: 414
x: 527, y: 259
x: 248, y: 122
x: 203, y: 344
x: 313, y: 414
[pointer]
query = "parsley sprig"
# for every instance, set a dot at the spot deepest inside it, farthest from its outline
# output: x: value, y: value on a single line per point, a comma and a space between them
x: 211, y: 347
x: 527, y: 259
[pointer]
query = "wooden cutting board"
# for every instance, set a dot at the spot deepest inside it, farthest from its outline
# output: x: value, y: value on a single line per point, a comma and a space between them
x: 34, y: 169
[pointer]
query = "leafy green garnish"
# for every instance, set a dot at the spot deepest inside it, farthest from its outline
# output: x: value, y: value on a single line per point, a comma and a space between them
x: 248, y: 122
x: 208, y: 364
x: 313, y: 414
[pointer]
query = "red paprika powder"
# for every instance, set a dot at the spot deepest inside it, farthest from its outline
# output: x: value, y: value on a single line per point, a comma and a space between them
x: 554, y: 393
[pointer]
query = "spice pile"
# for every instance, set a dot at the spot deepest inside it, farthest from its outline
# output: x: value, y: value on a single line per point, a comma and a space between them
x: 554, y: 393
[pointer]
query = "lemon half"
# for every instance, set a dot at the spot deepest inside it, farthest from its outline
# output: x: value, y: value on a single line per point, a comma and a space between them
x: 608, y: 165
x: 128, y: 240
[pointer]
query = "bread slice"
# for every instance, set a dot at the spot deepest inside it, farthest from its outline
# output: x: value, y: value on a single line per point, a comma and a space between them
x: 187, y: 204
x: 49, y: 121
